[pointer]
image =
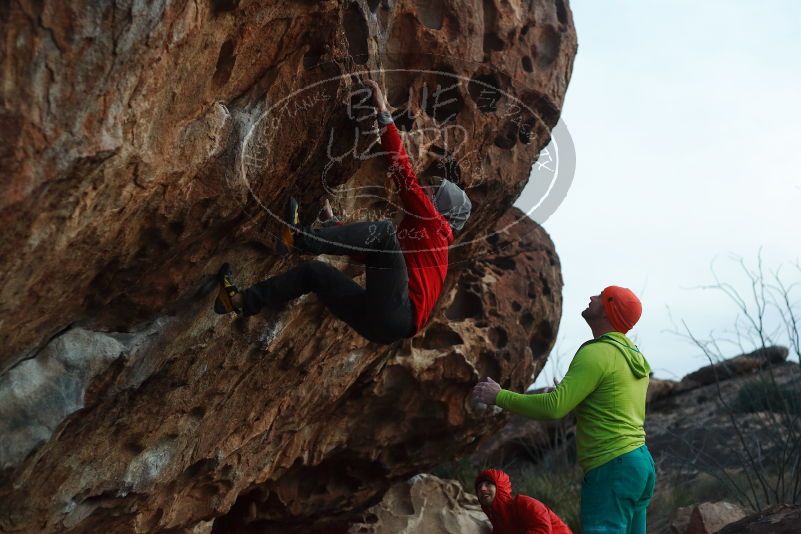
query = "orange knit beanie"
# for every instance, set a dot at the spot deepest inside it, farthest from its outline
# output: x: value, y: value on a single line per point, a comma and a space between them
x: 622, y: 307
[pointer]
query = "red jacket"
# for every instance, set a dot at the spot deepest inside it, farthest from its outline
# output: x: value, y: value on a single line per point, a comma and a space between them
x: 518, y: 515
x: 424, y: 234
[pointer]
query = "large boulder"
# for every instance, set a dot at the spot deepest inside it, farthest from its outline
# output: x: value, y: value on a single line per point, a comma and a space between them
x: 781, y: 519
x: 144, y: 144
x: 659, y: 389
x: 706, y: 518
x: 427, y: 504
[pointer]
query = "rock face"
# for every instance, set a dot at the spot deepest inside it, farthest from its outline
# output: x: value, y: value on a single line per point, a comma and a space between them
x: 427, y: 504
x: 691, y: 430
x: 513, y: 440
x: 142, y: 145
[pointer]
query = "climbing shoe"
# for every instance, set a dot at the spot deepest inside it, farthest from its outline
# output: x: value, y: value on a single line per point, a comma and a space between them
x: 224, y: 303
x: 291, y: 224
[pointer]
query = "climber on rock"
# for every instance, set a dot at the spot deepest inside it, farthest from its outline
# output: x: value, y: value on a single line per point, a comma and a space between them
x: 606, y: 385
x: 405, y: 266
x: 514, y: 515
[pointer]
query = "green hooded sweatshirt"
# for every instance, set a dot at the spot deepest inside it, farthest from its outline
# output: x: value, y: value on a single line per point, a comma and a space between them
x: 606, y: 385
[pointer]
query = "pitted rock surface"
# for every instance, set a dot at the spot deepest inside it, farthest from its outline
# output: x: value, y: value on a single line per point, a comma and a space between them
x: 424, y: 503
x: 135, y: 163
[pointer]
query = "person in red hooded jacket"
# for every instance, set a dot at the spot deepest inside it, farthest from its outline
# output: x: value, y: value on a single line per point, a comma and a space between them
x: 405, y: 265
x: 514, y: 515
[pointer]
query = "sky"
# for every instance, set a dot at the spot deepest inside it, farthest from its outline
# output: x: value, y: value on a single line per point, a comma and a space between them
x: 686, y: 120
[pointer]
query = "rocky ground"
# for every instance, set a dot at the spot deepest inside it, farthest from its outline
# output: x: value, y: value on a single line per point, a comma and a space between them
x: 429, y: 505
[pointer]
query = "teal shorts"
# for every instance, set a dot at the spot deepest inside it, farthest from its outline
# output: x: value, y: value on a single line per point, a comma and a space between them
x: 615, y: 495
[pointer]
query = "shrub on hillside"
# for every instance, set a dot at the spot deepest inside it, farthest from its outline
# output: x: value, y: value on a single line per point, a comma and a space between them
x: 766, y: 396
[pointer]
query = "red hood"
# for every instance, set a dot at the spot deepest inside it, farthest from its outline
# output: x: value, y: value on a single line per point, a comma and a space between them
x: 503, y: 490
x: 512, y: 515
